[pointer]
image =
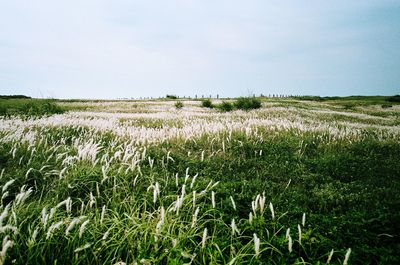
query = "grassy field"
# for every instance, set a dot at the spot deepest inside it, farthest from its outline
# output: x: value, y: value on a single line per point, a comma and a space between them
x: 298, y: 181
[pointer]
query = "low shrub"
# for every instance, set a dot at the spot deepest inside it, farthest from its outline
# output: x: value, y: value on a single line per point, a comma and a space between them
x: 225, y: 106
x: 240, y: 103
x: 171, y: 97
x: 247, y: 103
x: 395, y: 98
x: 207, y: 103
x: 179, y: 105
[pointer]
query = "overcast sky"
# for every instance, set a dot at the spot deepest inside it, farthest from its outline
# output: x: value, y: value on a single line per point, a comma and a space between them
x: 126, y: 48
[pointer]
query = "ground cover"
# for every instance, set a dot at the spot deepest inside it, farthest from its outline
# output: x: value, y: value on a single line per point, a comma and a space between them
x: 295, y: 181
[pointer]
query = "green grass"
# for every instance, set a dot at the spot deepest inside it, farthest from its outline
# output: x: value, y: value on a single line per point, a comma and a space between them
x: 347, y: 188
x: 29, y: 107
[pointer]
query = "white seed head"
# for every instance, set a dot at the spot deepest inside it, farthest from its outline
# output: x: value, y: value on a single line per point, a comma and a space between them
x: 256, y: 244
x: 187, y: 171
x: 262, y: 203
x: 44, y: 217
x: 271, y: 207
x: 290, y: 244
x: 52, y: 228
x: 233, y: 203
x: 235, y: 230
x: 162, y: 215
x: 4, y: 214
x: 194, y: 219
x: 105, y: 235
x: 174, y: 242
x: 194, y: 199
x: 92, y: 200
x: 8, y: 227
x: 5, y: 194
x: 87, y: 245
x: 103, y: 212
x: 204, y: 238
x: 7, y: 243
x: 250, y: 217
x: 299, y: 228
x: 329, y: 257
x: 254, y: 207
x: 8, y: 184
x: 193, y: 181
x: 82, y: 228
x: 347, y: 256
x: 177, y: 179
x: 74, y: 222
x: 287, y: 233
x: 213, y: 199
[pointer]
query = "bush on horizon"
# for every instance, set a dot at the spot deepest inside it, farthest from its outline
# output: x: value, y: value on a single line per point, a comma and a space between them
x: 207, y: 103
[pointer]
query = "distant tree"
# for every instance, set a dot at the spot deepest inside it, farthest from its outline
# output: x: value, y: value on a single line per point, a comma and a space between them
x: 13, y: 96
x: 171, y: 97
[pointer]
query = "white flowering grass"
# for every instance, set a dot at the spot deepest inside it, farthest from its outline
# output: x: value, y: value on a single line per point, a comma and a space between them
x: 150, y: 184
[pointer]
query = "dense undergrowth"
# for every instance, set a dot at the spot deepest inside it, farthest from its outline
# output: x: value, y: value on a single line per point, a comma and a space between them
x: 239, y: 104
x: 349, y: 197
x: 29, y: 107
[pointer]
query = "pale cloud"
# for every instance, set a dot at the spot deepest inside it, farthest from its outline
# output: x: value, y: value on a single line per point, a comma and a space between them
x: 124, y: 48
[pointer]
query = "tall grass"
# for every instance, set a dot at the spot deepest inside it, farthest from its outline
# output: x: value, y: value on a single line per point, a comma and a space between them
x: 74, y: 194
x: 29, y: 107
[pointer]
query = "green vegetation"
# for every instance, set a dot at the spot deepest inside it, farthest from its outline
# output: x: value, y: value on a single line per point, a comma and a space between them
x: 239, y: 104
x: 179, y: 104
x: 225, y: 106
x: 75, y: 194
x: 395, y: 98
x: 247, y: 103
x: 29, y: 107
x: 13, y: 96
x: 351, y: 100
x: 207, y: 103
x: 171, y: 97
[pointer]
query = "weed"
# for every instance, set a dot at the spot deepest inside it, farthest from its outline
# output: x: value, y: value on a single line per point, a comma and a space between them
x: 207, y: 103
x: 247, y: 103
x: 225, y: 106
x: 179, y: 104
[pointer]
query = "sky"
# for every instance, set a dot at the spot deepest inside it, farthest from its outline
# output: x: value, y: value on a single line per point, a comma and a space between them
x: 129, y: 49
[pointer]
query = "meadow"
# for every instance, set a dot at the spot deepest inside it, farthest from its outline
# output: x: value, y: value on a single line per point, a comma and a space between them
x: 302, y: 180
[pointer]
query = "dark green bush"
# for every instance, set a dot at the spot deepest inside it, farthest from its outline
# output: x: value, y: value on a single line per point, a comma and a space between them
x: 3, y: 110
x: 171, y: 97
x: 395, y: 98
x: 179, y: 104
x: 247, y: 103
x: 207, y: 103
x: 313, y: 98
x: 13, y: 96
x: 225, y: 106
x: 29, y: 107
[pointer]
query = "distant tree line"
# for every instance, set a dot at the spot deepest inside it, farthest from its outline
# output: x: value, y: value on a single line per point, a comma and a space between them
x: 13, y: 96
